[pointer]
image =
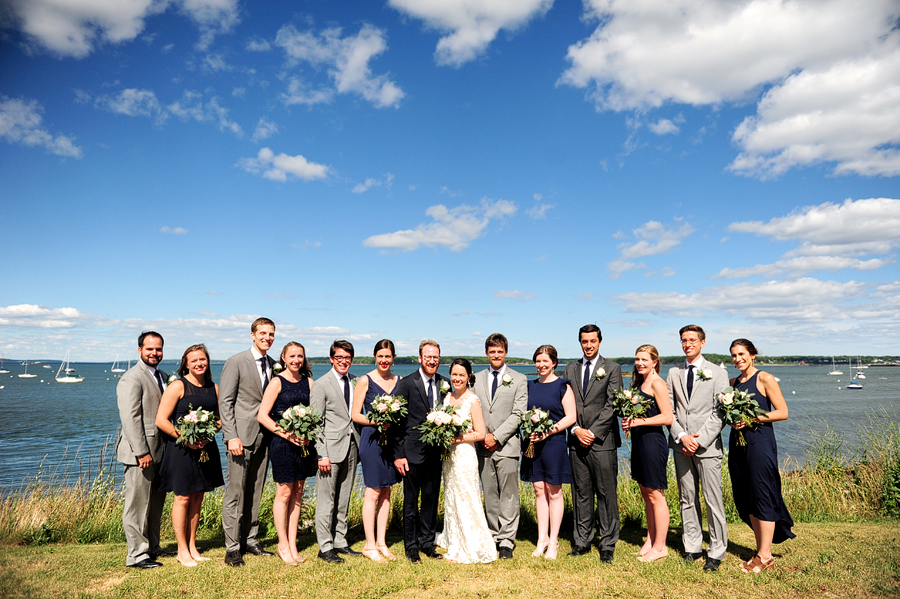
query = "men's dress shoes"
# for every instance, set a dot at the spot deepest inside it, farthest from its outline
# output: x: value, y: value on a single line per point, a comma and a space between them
x: 413, y: 556
x: 506, y: 553
x: 347, y: 551
x: 580, y: 550
x: 154, y: 556
x: 331, y: 557
x: 430, y: 552
x: 692, y: 557
x: 711, y: 564
x: 257, y: 550
x: 606, y: 556
x: 145, y: 564
x: 233, y: 558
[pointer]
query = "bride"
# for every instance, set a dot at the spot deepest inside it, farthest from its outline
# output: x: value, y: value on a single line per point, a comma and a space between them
x: 466, y: 535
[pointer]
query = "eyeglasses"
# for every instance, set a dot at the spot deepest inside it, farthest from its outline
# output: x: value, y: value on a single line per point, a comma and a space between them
x: 342, y: 358
x: 689, y: 342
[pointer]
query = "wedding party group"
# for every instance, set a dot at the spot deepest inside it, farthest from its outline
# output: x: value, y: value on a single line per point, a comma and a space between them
x: 480, y: 433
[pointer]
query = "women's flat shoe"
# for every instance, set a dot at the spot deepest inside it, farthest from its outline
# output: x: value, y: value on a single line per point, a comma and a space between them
x: 190, y: 564
x: 659, y: 556
x: 385, y: 552
x: 373, y: 554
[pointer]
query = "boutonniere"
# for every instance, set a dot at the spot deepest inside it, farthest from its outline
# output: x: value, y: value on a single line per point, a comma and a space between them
x: 353, y: 382
x: 277, y: 367
x: 172, y: 378
x: 704, y: 374
x: 445, y: 388
x: 506, y: 381
x: 601, y: 373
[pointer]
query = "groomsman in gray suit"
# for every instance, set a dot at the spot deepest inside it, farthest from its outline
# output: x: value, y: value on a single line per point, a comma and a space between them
x: 504, y: 396
x: 593, y: 442
x: 696, y: 441
x: 244, y: 377
x: 338, y: 451
x: 140, y: 449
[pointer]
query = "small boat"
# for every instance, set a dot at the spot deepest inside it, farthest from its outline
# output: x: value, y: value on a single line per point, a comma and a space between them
x: 2, y: 369
x: 115, y: 366
x: 69, y: 376
x: 834, y: 371
x: 854, y: 385
x: 47, y: 366
x: 25, y: 375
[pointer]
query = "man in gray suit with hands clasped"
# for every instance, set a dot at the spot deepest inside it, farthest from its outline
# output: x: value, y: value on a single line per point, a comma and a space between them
x: 244, y: 378
x: 140, y: 449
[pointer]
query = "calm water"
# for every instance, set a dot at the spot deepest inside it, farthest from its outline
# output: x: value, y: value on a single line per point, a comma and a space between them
x: 65, y: 429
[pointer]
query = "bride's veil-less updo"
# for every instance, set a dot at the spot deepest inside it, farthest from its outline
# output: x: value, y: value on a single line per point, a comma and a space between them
x: 468, y: 366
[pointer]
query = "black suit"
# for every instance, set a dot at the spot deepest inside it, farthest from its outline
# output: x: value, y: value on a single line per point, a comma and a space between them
x: 424, y: 475
x: 595, y: 468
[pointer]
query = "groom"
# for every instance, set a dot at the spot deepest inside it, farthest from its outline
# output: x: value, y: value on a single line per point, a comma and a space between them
x: 503, y: 393
x: 418, y: 463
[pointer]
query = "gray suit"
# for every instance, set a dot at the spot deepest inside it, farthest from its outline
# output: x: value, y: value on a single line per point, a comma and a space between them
x: 697, y: 414
x: 500, y: 468
x: 240, y: 393
x: 138, y: 395
x: 339, y: 442
x: 595, y: 469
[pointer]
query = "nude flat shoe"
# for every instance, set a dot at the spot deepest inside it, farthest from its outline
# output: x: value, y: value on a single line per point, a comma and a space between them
x: 659, y: 556
x: 373, y: 554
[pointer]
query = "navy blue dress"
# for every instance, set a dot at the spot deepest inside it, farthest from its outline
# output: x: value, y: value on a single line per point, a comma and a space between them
x: 181, y: 471
x: 551, y: 456
x: 288, y: 465
x: 755, y: 481
x: 649, y: 451
x: 377, y: 466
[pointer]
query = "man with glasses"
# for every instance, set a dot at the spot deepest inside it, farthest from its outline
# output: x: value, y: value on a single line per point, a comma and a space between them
x: 696, y: 441
x: 338, y: 449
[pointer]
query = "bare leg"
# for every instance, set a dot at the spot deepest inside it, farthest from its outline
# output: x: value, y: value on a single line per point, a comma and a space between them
x: 193, y: 523
x: 293, y: 522
x: 657, y: 523
x: 764, y: 531
x: 280, y: 512
x: 542, y: 511
x: 180, y: 510
x: 556, y: 506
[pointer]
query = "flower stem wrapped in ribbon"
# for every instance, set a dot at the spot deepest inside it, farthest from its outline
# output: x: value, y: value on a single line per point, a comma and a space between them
x: 537, y: 421
x: 739, y: 406
x: 386, y: 411
x: 630, y: 403
x: 303, y: 423
x: 195, y: 427
x: 441, y: 427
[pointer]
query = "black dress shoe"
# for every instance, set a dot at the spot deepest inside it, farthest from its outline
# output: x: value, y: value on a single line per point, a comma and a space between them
x: 145, y: 564
x: 257, y: 550
x: 331, y: 557
x: 506, y: 553
x: 159, y: 554
x: 580, y: 550
x: 430, y: 552
x: 606, y: 556
x: 233, y: 558
x: 692, y: 557
x: 347, y: 551
x: 413, y: 556
x: 711, y: 564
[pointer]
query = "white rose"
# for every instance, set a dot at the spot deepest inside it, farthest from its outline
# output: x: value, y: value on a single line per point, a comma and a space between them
x: 431, y: 417
x: 457, y: 421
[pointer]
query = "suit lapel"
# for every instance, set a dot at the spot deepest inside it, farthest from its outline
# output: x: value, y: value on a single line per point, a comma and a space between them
x: 152, y: 380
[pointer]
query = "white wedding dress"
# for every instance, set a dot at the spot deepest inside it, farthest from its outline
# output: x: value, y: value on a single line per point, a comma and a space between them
x: 466, y: 536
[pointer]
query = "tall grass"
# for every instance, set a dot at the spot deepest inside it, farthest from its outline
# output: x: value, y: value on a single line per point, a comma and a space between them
x: 838, y: 483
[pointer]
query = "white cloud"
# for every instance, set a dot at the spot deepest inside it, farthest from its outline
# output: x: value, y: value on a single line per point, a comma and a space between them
x: 801, y: 266
x: 347, y: 60
x: 833, y: 68
x: 539, y: 212
x: 41, y: 317
x: 279, y: 167
x: 76, y: 29
x: 174, y: 230
x: 653, y: 238
x: 258, y: 45
x: 192, y: 107
x: 264, y: 129
x: 370, y: 183
x: 472, y: 26
x: 515, y: 294
x: 133, y: 102
x: 215, y: 63
x: 20, y: 123
x: 453, y: 228
x: 663, y: 127
x: 299, y: 92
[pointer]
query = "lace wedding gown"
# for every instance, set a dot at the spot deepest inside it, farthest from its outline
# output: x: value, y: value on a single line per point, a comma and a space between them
x: 466, y: 535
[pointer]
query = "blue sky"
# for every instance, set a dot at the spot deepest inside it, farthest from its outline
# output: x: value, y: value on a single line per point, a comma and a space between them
x: 449, y: 169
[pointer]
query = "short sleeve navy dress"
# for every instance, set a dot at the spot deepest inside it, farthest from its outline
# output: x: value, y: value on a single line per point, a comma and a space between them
x: 181, y: 471
x: 551, y: 456
x: 649, y: 451
x: 288, y: 463
x: 755, y: 481
x: 377, y: 461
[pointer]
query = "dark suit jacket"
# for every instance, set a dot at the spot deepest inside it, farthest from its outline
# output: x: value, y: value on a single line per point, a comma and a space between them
x: 595, y: 410
x: 409, y: 444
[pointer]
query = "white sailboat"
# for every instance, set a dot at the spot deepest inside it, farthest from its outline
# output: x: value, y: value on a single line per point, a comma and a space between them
x: 2, y: 369
x: 859, y: 366
x: 69, y: 376
x: 115, y: 366
x: 25, y: 375
x: 834, y: 371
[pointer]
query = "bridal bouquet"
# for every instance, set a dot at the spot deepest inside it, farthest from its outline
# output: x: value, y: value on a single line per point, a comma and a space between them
x: 738, y: 406
x: 386, y: 411
x: 537, y: 421
x: 196, y: 426
x: 301, y: 422
x: 630, y: 403
x: 441, y: 426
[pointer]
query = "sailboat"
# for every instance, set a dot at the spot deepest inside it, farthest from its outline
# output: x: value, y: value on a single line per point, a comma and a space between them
x: 834, y: 371
x: 68, y: 377
x: 25, y: 375
x: 115, y: 366
x: 859, y: 366
x: 2, y: 369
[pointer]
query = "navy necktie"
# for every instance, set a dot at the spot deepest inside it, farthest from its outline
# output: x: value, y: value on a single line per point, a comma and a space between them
x: 159, y: 382
x: 494, y: 385
x: 690, y: 380
x: 587, y: 378
x: 346, y: 380
x: 431, y: 392
x: 265, y: 372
